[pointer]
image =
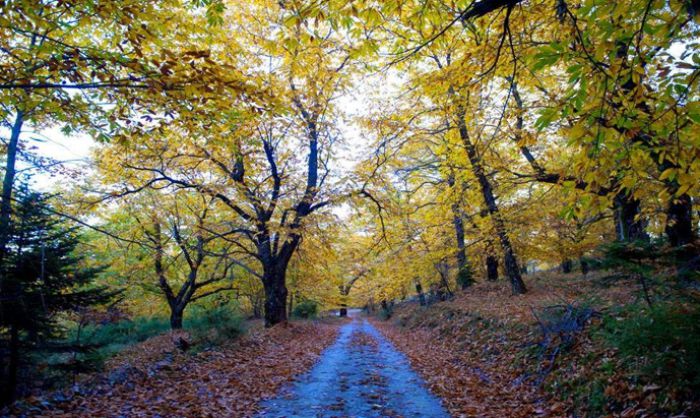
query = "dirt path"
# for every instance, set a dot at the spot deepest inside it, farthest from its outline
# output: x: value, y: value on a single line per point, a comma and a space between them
x: 360, y: 375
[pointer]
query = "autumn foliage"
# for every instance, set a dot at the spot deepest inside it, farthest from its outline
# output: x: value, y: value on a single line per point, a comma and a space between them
x: 289, y: 158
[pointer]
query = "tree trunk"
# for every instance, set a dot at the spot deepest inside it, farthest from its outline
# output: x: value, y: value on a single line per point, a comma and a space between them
x: 628, y: 226
x: 511, y: 262
x: 464, y: 273
x: 386, y: 309
x: 257, y: 311
x: 585, y: 268
x: 421, y: 295
x: 8, y: 184
x: 566, y: 266
x: 275, y: 297
x: 176, y: 315
x: 445, y: 283
x: 491, y: 268
x: 679, y: 221
x: 9, y: 392
x: 344, y: 292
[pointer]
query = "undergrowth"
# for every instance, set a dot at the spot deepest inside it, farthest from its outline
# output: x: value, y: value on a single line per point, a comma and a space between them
x: 599, y: 351
x: 305, y: 309
x: 93, y: 344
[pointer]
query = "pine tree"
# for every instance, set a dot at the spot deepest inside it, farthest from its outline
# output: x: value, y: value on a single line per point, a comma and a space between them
x: 41, y: 277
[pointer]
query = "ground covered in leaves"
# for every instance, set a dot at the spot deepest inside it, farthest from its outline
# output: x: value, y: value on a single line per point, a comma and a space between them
x: 489, y: 354
x: 155, y: 378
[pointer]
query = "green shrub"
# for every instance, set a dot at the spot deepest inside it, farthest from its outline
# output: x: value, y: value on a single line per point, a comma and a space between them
x: 120, y: 333
x: 206, y: 325
x: 214, y: 325
x: 306, y: 309
x: 661, y: 343
x: 464, y: 277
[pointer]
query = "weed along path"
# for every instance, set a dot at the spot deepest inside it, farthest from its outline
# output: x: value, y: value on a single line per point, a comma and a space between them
x: 360, y: 375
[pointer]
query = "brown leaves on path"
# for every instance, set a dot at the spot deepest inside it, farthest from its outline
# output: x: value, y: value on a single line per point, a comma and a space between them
x: 228, y: 382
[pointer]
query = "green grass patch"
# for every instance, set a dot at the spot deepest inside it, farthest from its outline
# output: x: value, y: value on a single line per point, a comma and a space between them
x: 658, y: 344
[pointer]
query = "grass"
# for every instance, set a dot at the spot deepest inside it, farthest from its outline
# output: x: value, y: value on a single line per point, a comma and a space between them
x: 659, y: 344
x: 118, y: 334
x: 207, y: 327
x: 214, y: 326
x: 636, y: 357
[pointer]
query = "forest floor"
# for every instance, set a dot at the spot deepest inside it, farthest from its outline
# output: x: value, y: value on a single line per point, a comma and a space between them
x: 482, y: 353
x: 360, y: 375
x: 488, y: 354
x: 155, y: 378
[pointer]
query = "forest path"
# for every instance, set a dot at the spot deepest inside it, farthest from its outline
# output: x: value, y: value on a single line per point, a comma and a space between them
x: 360, y: 375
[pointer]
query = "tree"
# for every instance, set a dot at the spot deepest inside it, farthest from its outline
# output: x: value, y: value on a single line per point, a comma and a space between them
x: 93, y: 67
x: 42, y: 278
x: 245, y: 158
x: 183, y: 233
x: 176, y: 248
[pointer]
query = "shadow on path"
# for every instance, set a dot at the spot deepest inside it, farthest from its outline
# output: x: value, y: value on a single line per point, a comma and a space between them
x: 360, y: 375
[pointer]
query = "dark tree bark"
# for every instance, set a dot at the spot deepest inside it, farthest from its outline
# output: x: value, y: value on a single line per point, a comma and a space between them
x: 194, y: 257
x: 344, y: 292
x: 509, y: 258
x: 679, y: 221
x: 275, y: 300
x: 484, y: 7
x: 421, y: 295
x: 176, y: 315
x: 585, y: 268
x: 386, y: 309
x: 274, y: 276
x: 567, y: 266
x: 8, y: 394
x: 629, y: 226
x: 347, y: 287
x: 8, y: 184
x: 464, y: 272
x: 491, y: 268
x: 445, y: 292
x: 274, y: 262
x: 274, y: 282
